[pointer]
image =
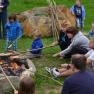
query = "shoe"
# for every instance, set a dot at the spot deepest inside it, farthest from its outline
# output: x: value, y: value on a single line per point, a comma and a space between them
x: 55, y: 73
x: 49, y: 70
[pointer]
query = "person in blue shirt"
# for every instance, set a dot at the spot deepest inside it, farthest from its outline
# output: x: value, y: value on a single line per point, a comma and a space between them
x: 3, y: 17
x: 79, y: 11
x: 36, y: 46
x: 13, y: 32
x: 82, y: 81
x: 91, y: 32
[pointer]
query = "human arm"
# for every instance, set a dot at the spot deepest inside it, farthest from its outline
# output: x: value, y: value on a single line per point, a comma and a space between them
x: 83, y: 12
x: 65, y: 88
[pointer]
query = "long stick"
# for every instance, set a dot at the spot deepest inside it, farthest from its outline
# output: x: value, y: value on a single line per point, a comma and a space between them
x: 52, y: 79
x: 36, y: 49
x: 7, y: 78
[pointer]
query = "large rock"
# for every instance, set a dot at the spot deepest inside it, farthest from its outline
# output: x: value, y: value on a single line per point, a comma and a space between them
x: 40, y: 18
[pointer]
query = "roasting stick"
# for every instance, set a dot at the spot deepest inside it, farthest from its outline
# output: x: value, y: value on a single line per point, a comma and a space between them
x: 7, y: 78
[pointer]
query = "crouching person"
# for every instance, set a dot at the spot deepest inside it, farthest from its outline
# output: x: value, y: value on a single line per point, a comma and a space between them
x: 36, y: 46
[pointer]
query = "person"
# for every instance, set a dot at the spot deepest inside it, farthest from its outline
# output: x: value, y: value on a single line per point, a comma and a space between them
x: 36, y: 46
x: 63, y: 41
x: 27, y: 86
x: 79, y: 44
x: 3, y: 16
x: 81, y: 82
x: 79, y: 11
x: 91, y: 32
x: 13, y: 32
x: 66, y: 69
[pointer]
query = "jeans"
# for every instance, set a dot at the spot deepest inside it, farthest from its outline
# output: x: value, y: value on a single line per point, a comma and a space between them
x: 3, y: 20
x: 11, y: 45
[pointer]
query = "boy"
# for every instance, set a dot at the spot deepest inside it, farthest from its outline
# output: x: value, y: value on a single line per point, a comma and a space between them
x: 79, y: 11
x: 36, y: 46
x: 13, y: 31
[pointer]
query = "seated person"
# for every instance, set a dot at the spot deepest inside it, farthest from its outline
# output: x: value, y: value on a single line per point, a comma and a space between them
x: 66, y: 69
x: 79, y: 43
x: 91, y: 32
x: 36, y: 46
x: 27, y: 86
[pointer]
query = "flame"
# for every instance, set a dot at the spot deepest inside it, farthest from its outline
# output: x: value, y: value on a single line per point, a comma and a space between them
x: 14, y: 65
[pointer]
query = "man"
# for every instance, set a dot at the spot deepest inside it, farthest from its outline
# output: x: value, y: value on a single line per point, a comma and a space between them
x: 79, y: 11
x: 82, y: 81
x: 3, y: 16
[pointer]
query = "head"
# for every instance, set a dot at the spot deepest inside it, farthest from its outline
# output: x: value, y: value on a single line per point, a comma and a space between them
x: 37, y: 34
x: 71, y: 32
x: 78, y: 3
x: 79, y: 62
x: 12, y: 18
x: 27, y: 86
x: 91, y: 43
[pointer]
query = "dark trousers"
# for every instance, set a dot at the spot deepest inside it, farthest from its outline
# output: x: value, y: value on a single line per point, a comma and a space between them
x: 76, y: 50
x: 3, y: 20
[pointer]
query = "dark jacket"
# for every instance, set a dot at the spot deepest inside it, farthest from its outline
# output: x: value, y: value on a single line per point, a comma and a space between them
x: 79, y: 83
x: 5, y: 3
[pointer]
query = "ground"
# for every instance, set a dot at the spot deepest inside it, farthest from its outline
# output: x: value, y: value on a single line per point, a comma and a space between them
x: 44, y: 84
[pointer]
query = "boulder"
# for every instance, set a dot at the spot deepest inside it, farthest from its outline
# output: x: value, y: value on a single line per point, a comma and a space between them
x: 40, y: 19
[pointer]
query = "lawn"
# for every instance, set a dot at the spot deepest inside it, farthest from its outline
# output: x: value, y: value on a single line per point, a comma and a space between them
x: 45, y: 85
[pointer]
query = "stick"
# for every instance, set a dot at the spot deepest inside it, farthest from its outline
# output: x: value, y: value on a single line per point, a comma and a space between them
x: 51, y: 79
x: 36, y: 49
x: 7, y: 78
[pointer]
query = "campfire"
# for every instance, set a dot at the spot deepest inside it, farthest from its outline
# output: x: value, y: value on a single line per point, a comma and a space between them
x: 13, y: 65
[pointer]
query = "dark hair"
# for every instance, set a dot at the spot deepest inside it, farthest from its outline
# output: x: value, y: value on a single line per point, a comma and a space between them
x: 72, y: 30
x: 27, y: 86
x: 12, y: 16
x: 79, y: 62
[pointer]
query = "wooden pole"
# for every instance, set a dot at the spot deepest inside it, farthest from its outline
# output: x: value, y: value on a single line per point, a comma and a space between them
x: 7, y: 78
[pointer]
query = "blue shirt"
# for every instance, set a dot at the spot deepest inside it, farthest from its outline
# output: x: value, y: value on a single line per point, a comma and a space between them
x: 13, y: 30
x: 83, y: 11
x: 36, y: 44
x: 79, y: 83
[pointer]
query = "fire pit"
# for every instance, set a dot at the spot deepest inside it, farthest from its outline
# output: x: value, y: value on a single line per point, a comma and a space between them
x: 13, y: 65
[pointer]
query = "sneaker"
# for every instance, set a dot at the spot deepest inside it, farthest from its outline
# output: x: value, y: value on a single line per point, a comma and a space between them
x: 55, y: 73
x: 49, y: 70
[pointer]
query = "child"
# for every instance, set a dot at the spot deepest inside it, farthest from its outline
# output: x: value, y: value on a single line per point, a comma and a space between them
x: 36, y: 46
x: 13, y: 32
x: 27, y: 86
x: 79, y: 11
x: 91, y: 33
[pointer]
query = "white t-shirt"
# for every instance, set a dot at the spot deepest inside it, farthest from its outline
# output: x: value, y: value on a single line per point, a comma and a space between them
x: 90, y: 55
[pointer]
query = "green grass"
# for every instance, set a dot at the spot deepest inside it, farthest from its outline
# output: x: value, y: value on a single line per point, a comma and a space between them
x: 43, y: 84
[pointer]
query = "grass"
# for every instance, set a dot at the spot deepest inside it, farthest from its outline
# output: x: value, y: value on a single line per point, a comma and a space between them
x: 43, y: 84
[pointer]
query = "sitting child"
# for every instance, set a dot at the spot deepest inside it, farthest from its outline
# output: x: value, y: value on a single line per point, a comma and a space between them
x: 13, y: 31
x: 36, y: 46
x: 91, y: 33
x: 66, y: 69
